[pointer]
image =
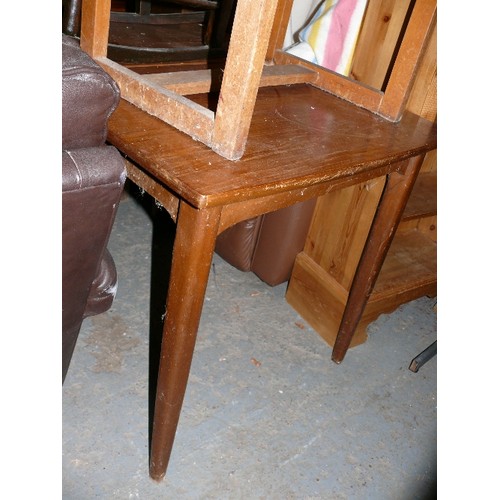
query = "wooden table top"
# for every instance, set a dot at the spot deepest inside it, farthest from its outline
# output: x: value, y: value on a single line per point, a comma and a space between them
x: 300, y: 136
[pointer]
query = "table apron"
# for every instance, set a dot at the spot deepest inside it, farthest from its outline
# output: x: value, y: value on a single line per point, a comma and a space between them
x: 237, y: 211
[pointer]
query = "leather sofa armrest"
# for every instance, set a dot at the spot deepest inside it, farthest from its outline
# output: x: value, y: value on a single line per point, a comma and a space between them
x: 86, y: 168
x: 93, y: 181
x: 89, y: 96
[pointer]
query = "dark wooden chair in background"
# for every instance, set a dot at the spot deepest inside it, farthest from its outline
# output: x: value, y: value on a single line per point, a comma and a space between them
x: 157, y: 31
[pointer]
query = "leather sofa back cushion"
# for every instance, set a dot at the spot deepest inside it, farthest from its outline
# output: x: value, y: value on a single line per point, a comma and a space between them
x: 89, y: 96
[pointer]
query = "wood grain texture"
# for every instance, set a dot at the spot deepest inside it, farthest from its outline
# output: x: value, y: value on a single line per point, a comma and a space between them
x: 410, y: 53
x: 278, y: 31
x: 424, y: 225
x: 95, y: 27
x: 209, y: 80
x: 378, y: 38
x: 423, y: 97
x: 245, y: 59
x: 300, y: 136
x: 168, y: 200
x: 319, y: 299
x: 337, y: 246
x: 194, y: 120
x: 423, y: 199
x: 339, y: 85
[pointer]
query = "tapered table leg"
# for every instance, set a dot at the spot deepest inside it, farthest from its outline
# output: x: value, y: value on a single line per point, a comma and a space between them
x: 390, y: 209
x: 193, y: 251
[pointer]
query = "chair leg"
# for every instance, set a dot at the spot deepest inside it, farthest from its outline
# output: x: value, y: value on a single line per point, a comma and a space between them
x: 423, y: 357
x: 143, y: 7
x: 71, y: 17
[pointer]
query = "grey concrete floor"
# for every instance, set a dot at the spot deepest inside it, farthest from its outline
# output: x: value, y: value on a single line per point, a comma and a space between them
x: 267, y: 415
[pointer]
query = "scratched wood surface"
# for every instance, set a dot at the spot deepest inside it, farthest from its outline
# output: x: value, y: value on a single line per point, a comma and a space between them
x: 299, y: 136
x: 402, y: 57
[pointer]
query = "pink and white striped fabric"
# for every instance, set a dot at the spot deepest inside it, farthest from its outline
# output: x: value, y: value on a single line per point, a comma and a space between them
x: 330, y: 37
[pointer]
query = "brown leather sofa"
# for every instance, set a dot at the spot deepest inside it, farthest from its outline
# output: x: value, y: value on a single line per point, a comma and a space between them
x: 93, y: 177
x: 267, y: 245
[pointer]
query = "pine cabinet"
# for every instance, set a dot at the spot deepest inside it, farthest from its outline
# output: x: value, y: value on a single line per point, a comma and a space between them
x: 323, y: 272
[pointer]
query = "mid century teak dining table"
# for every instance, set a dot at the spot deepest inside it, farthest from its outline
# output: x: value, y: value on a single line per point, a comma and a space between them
x: 302, y: 143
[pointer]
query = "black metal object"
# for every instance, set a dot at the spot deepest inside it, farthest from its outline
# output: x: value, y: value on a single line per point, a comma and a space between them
x: 423, y: 357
